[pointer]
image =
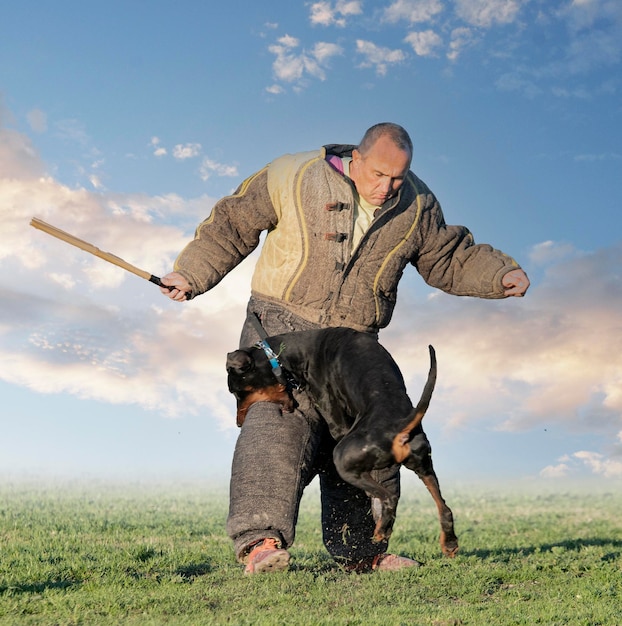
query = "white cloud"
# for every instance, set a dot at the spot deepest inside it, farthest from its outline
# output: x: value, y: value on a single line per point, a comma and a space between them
x: 159, y: 150
x: 181, y: 152
x: 209, y: 167
x: 325, y: 14
x: 65, y: 281
x: 287, y: 66
x: 596, y: 462
x: 486, y: 13
x: 561, y: 470
x: 424, y: 43
x: 275, y: 89
x: 323, y: 51
x: 291, y: 66
x: 413, y: 11
x: 461, y: 39
x: 95, y: 181
x: 608, y: 468
x: 377, y: 56
x: 349, y: 7
x: 322, y: 13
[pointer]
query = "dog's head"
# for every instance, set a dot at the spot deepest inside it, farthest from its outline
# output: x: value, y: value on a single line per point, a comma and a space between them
x: 251, y: 379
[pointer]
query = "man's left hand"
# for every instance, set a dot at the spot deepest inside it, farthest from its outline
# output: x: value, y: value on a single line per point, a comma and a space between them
x: 516, y: 283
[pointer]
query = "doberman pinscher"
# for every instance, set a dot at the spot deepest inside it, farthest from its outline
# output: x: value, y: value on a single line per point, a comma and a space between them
x: 360, y: 391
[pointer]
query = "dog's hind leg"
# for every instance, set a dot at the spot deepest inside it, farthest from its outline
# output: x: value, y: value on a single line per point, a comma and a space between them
x: 448, y: 539
x: 420, y: 462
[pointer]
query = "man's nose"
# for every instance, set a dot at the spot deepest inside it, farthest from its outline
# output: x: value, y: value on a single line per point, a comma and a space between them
x: 386, y: 184
x: 393, y: 186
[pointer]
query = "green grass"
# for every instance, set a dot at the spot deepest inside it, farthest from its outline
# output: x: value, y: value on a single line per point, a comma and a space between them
x: 149, y: 554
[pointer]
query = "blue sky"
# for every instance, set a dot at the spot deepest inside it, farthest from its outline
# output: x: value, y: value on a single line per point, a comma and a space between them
x: 123, y: 123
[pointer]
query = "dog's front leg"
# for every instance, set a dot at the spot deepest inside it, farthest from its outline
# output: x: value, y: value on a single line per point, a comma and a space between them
x: 355, y: 461
x: 384, y: 508
x: 384, y: 512
x: 383, y: 502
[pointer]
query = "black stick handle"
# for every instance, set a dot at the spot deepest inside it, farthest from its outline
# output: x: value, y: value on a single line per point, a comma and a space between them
x: 159, y: 283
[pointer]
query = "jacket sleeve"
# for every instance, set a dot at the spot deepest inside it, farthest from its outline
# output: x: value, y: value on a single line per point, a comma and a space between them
x: 450, y: 260
x: 228, y: 235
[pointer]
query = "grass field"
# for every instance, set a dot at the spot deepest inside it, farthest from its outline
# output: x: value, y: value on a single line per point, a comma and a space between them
x: 158, y: 554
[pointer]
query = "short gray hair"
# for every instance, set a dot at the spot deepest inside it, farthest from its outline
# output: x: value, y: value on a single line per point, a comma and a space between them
x: 395, y: 132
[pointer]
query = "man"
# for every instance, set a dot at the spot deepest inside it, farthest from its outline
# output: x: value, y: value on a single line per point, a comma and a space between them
x: 343, y: 222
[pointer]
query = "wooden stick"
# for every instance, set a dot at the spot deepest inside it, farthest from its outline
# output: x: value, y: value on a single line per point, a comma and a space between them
x: 83, y: 245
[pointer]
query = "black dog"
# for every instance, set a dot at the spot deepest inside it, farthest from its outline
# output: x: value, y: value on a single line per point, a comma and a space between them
x: 359, y: 390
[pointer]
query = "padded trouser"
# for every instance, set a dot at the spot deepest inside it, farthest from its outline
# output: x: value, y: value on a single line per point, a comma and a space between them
x: 276, y: 456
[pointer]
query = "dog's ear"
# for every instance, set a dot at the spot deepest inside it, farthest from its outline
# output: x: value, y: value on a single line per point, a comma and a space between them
x: 239, y: 362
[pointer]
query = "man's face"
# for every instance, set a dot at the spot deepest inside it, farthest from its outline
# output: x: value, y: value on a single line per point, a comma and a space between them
x: 380, y: 173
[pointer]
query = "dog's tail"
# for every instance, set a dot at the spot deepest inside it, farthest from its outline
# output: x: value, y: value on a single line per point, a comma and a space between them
x: 400, y: 447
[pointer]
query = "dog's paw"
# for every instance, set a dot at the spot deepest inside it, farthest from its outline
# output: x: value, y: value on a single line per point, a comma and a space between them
x: 449, y: 546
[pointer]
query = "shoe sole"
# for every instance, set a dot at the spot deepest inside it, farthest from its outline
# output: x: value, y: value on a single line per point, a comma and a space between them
x: 278, y: 561
x: 396, y: 567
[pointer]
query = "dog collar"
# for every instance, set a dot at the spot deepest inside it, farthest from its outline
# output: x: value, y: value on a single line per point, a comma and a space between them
x: 274, y: 360
x: 283, y: 376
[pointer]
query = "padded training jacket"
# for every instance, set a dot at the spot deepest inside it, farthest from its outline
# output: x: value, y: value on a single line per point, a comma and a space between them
x: 307, y: 263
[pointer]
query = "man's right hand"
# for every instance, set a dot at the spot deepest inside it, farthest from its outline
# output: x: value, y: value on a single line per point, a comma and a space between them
x: 180, y: 286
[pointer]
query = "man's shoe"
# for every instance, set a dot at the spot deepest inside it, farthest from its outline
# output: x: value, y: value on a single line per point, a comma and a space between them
x: 383, y: 562
x: 392, y: 563
x: 266, y: 556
